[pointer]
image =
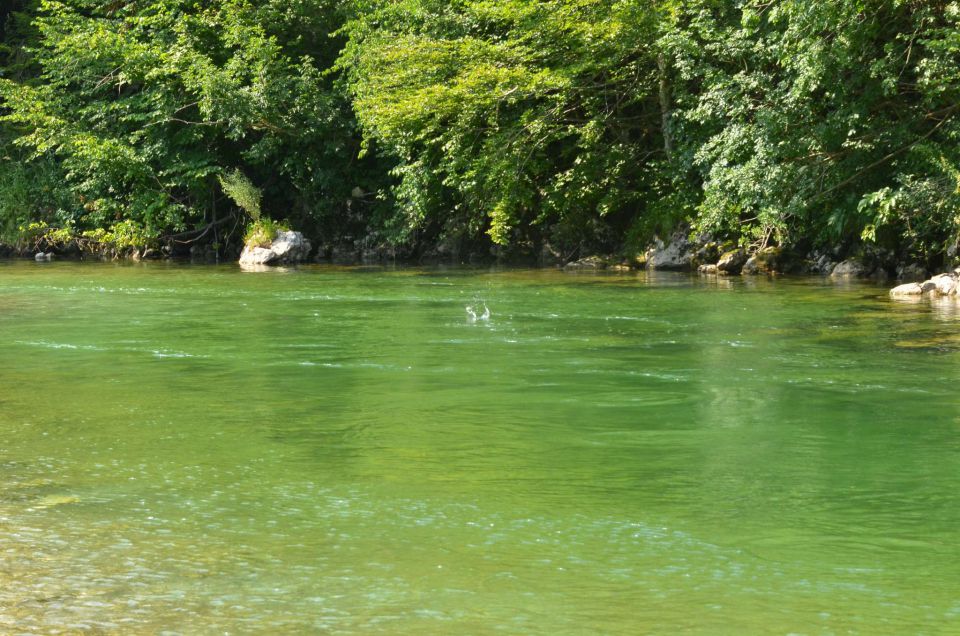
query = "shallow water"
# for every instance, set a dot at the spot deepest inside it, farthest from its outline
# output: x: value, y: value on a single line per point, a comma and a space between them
x: 198, y: 450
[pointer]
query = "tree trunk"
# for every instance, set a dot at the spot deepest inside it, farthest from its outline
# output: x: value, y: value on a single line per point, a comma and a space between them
x: 665, y: 123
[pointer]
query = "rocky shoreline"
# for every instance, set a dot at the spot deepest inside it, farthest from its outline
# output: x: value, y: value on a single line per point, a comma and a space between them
x: 709, y: 257
x: 680, y: 252
x: 946, y: 284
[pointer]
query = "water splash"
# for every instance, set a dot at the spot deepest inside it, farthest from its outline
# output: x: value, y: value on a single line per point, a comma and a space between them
x: 473, y: 309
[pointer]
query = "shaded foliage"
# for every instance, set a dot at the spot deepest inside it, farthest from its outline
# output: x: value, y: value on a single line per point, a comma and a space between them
x: 583, y: 124
x: 144, y: 105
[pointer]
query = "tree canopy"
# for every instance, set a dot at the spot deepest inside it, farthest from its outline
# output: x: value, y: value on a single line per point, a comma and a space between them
x: 579, y: 124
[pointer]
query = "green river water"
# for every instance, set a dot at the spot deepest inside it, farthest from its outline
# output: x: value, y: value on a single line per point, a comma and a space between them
x: 197, y: 450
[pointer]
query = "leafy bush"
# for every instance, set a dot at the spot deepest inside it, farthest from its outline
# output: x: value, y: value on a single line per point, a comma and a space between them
x: 246, y: 195
x: 261, y: 232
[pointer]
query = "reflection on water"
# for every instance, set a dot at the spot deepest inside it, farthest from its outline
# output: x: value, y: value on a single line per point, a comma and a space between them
x: 196, y: 450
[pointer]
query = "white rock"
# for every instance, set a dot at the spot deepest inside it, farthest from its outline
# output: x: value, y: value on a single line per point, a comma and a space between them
x: 676, y: 255
x: 909, y: 289
x: 945, y: 283
x: 286, y: 248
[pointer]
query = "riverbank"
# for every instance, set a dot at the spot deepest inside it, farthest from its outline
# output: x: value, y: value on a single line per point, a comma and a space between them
x: 679, y: 252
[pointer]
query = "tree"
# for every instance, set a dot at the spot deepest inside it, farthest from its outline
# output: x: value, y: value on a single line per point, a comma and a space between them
x: 143, y: 105
x: 822, y: 122
x: 515, y: 118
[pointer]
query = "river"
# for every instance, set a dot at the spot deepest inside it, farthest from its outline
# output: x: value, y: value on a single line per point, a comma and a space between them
x: 198, y: 450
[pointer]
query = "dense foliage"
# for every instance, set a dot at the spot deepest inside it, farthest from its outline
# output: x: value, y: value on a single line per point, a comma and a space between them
x: 138, y: 109
x: 574, y: 125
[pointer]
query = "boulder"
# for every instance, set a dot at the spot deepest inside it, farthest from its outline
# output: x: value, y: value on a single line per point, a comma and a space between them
x: 820, y: 263
x: 912, y: 272
x: 708, y: 253
x: 927, y: 285
x: 909, y: 289
x: 677, y: 254
x: 707, y: 269
x: 732, y: 262
x: 945, y: 284
x: 751, y: 267
x: 777, y: 259
x: 286, y: 248
x: 851, y: 268
x: 43, y: 257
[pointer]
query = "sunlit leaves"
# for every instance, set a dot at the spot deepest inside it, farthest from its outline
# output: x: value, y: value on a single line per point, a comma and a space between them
x: 520, y: 113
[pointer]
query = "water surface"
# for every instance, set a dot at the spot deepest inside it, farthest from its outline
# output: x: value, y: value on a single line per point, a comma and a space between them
x: 199, y: 450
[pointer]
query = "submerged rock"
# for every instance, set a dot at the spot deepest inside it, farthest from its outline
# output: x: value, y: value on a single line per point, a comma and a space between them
x: 43, y: 257
x: 588, y: 263
x: 286, y: 248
